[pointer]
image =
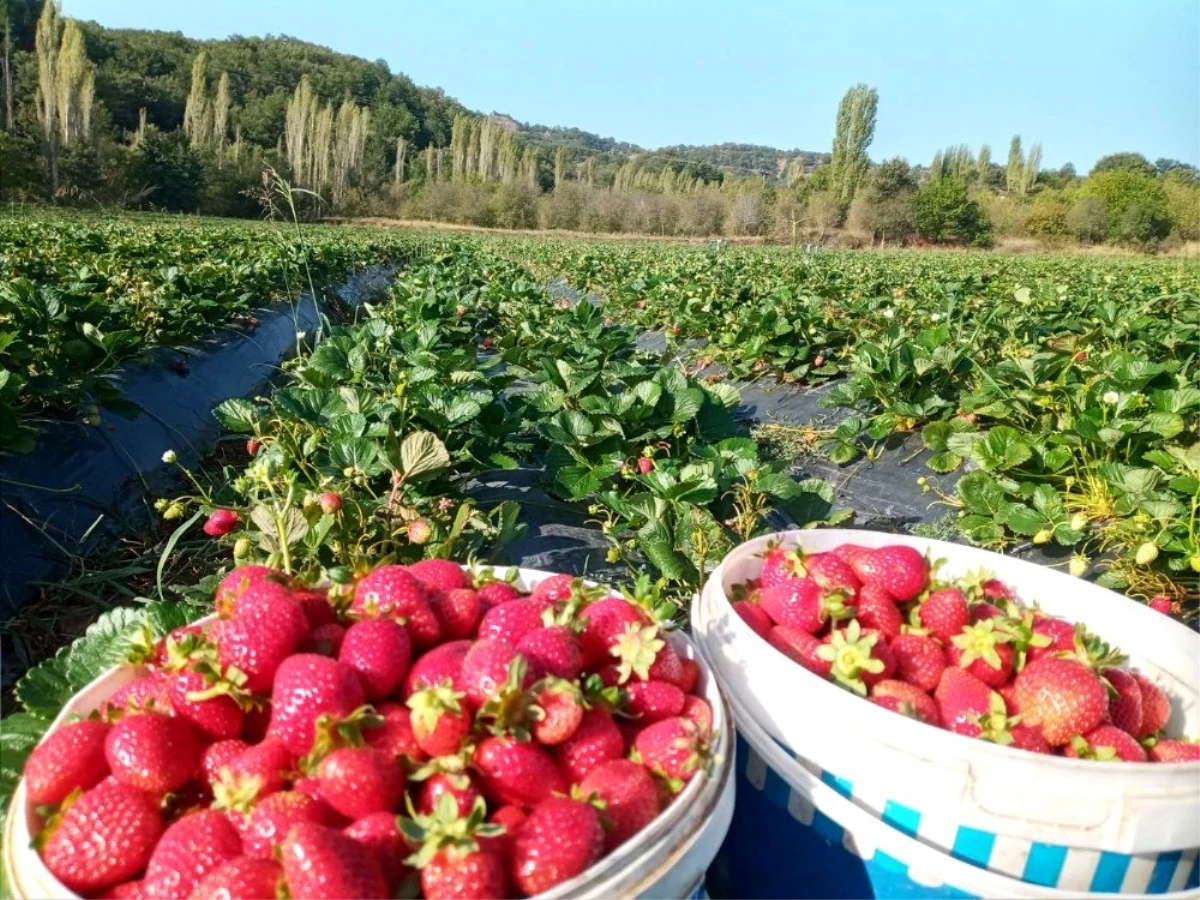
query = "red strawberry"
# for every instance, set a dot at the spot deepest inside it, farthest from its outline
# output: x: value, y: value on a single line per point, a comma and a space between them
x: 552, y: 650
x: 1026, y: 737
x: 510, y: 818
x: 394, y: 592
x: 1061, y: 634
x: 486, y: 667
x: 460, y: 857
x: 690, y: 676
x: 439, y: 574
x: 754, y: 616
x: 944, y: 613
x: 800, y: 647
x: 515, y: 772
x: 262, y: 597
x: 105, y: 837
x: 630, y: 799
x: 919, y: 659
x: 323, y: 864
x: 555, y: 589
x: 493, y: 593
x: 201, y: 701
x: 981, y: 611
x: 802, y: 604
x: 394, y: 737
x: 1125, y: 709
x: 380, y: 834
x: 561, y: 710
x: 218, y: 756
x: 442, y: 663
x: 69, y: 757
x: 315, y: 605
x: 595, y: 741
x: 221, y: 522
x: 673, y: 749
x: 1156, y: 708
x: 966, y: 705
x: 358, y: 781
x: 268, y: 764
x: 604, y: 622
x: 1062, y: 697
x: 995, y: 590
x: 379, y: 651
x: 853, y: 555
x: 324, y: 640
x: 151, y: 752
x: 1167, y: 751
x: 830, y: 572
x: 906, y: 699
x: 243, y: 878
x: 983, y: 651
x: 458, y: 612
x: 902, y: 571
x: 645, y: 465
x: 274, y: 816
x: 857, y: 659
x: 308, y: 686
x: 511, y: 621
x: 651, y: 701
x: 875, y: 609
x: 189, y: 849
x: 560, y: 838
x: 1162, y: 604
x: 1106, y: 743
x: 252, y: 446
x: 778, y: 566
x: 255, y: 641
x: 440, y: 719
x: 148, y: 693
x: 457, y: 785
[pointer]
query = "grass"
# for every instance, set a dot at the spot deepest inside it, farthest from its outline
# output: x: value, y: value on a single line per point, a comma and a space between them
x: 781, y: 441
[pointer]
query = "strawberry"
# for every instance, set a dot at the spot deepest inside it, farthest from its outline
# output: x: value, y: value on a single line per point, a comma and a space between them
x: 419, y: 531
x: 832, y: 574
x: 493, y: 593
x: 1125, y: 701
x: 645, y: 465
x: 800, y: 647
x: 511, y: 621
x: 510, y: 818
x: 458, y: 785
x: 560, y: 838
x: 690, y: 675
x: 440, y: 720
x: 560, y: 707
x: 486, y: 668
x: 875, y: 609
x: 458, y: 856
x: 315, y: 605
x: 919, y: 659
x: 1105, y: 743
x: 1028, y: 738
x: 216, y: 715
x: 261, y: 597
x: 1061, y: 634
x: 379, y: 651
x: 778, y: 567
x: 358, y: 781
x: 1061, y: 696
x: 308, y: 686
x: 394, y: 592
x: 595, y: 741
x: 515, y: 772
x: 458, y: 612
x: 604, y: 622
x: 651, y: 701
x: 982, y: 611
x: 147, y: 693
x: 324, y: 640
x: 754, y: 616
x: 241, y: 878
x: 552, y: 650
x: 439, y: 575
x: 555, y: 589
x: 258, y: 640
x: 965, y: 704
x: 381, y: 835
x: 152, y: 752
x: 1156, y: 708
x: 268, y: 764
x: 69, y: 757
x: 394, y: 737
x: 984, y: 652
x: 857, y: 659
x: 802, y: 604
x: 673, y: 749
x: 995, y: 590
x: 273, y: 817
x: 323, y: 864
x: 944, y: 613
x: 104, y: 838
x: 901, y: 571
x: 1162, y: 605
x: 330, y: 502
x: 221, y: 522
x: 1166, y: 751
x: 440, y: 664
x: 189, y: 849
x: 629, y: 795
x: 906, y: 699
x: 252, y: 446
x: 218, y: 756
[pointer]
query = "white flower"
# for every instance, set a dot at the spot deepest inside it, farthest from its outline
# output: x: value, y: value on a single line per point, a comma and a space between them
x: 300, y: 335
x: 936, y: 317
x: 169, y: 457
x: 889, y: 314
x: 1111, y: 397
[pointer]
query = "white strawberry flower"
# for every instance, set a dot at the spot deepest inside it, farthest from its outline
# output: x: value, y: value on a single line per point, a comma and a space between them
x: 1111, y: 398
x: 169, y: 457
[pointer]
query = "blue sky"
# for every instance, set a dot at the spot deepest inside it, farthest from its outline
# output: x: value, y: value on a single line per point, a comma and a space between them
x: 1083, y: 78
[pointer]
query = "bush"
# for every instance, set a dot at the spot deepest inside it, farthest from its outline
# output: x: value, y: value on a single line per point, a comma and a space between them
x: 1088, y: 220
x: 1138, y: 212
x: 515, y: 206
x: 1183, y: 206
x: 1048, y: 215
x: 168, y: 170
x: 944, y: 213
x: 563, y: 209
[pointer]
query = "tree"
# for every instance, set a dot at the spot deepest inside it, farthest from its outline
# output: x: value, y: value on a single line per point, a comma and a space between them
x: 983, y: 166
x: 1129, y: 162
x: 1088, y: 220
x: 1015, y: 170
x: 823, y: 212
x: 943, y: 212
x: 890, y: 179
x: 1183, y: 206
x: 46, y: 45
x: 560, y: 166
x: 1029, y: 171
x: 855, y: 131
x: 197, y: 115
x: 170, y: 171
x: 1048, y: 215
x: 1136, y: 202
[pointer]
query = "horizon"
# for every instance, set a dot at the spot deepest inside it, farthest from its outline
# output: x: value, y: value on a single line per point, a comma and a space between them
x: 661, y: 57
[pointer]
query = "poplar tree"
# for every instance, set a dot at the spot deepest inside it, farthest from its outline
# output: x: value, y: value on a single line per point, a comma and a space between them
x: 401, y: 153
x: 220, y: 114
x: 560, y: 166
x: 197, y: 113
x: 855, y: 131
x: 937, y: 168
x: 1029, y: 171
x: 46, y: 49
x: 1013, y: 174
x: 983, y: 165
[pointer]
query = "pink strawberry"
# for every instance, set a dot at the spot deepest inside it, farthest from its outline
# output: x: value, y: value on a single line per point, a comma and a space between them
x: 493, y: 593
x: 857, y: 659
x: 486, y: 668
x: 555, y: 589
x: 441, y: 663
x: 1028, y: 738
x: 830, y: 572
x: 645, y: 465
x: 552, y: 650
x: 1061, y: 696
x: 674, y: 749
x: 511, y: 621
x: 778, y: 567
x: 221, y: 522
x: 754, y: 616
x: 802, y: 604
x: 379, y: 651
x: 875, y: 609
x: 1156, y: 708
x: 274, y: 816
x: 630, y: 799
x: 984, y: 651
x: 358, y: 781
x: 800, y: 647
x: 698, y: 710
x: 255, y: 641
x: 901, y: 571
x: 667, y: 666
x: 440, y: 719
x: 919, y: 659
x: 152, y: 752
x: 215, y: 715
x: 964, y: 703
x: 1166, y: 751
x: 906, y: 699
x: 560, y: 838
x: 189, y: 849
x: 560, y: 707
x: 394, y: 592
x: 1125, y: 708
x: 458, y: 612
x: 515, y: 772
x: 1162, y: 604
x: 439, y: 574
x: 69, y: 757
x: 944, y: 613
x: 380, y: 834
x: 604, y: 622
x: 595, y: 741
x: 105, y: 837
x: 308, y: 686
x: 242, y: 878
x: 323, y: 864
x: 651, y: 701
x: 263, y: 597
x: 218, y: 755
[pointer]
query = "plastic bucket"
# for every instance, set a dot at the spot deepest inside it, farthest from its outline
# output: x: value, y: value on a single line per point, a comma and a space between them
x: 668, y: 859
x: 795, y: 834
x: 1079, y: 825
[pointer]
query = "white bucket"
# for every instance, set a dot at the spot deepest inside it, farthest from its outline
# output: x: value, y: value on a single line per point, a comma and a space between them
x: 668, y: 859
x: 1075, y: 824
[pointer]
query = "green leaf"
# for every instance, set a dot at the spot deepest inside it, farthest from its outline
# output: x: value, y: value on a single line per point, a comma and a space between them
x: 168, y: 548
x: 45, y: 689
x: 981, y: 493
x: 421, y: 453
x: 656, y: 542
x: 1023, y: 520
x: 1002, y: 449
x: 237, y: 415
x: 1163, y: 424
x: 944, y: 462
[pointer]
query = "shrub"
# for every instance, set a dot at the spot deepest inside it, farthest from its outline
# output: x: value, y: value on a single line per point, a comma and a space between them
x: 945, y: 213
